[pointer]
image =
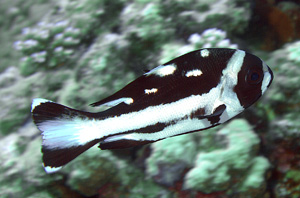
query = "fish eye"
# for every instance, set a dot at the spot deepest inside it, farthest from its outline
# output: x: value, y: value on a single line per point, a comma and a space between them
x: 254, y: 76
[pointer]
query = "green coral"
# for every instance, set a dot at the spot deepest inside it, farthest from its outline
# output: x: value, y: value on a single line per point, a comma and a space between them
x: 55, y: 42
x: 289, y: 186
x: 48, y: 44
x: 286, y: 65
x: 15, y: 15
x: 171, y: 152
x: 294, y: 52
x: 92, y: 16
x: 145, y: 21
x: 98, y: 74
x: 257, y: 171
x: 294, y: 175
x: 170, y: 158
x: 21, y: 170
x: 96, y: 169
x: 216, y: 170
x: 286, y: 127
x: 150, y: 26
x: 190, y: 16
x: 14, y: 113
x: 284, y: 95
x: 209, y: 38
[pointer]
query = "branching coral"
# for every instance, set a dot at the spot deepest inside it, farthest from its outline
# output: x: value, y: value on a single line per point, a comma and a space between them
x: 209, y: 38
x: 235, y: 168
x: 47, y: 45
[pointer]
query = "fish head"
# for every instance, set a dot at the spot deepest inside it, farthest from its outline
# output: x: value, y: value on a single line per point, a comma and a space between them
x: 254, y: 78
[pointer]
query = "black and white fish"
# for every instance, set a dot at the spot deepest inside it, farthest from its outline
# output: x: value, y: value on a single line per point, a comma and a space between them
x: 193, y: 92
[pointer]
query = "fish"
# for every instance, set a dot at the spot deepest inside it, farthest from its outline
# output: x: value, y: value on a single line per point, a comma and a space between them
x: 193, y: 92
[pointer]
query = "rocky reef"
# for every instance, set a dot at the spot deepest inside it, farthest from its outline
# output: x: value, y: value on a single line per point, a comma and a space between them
x: 77, y: 52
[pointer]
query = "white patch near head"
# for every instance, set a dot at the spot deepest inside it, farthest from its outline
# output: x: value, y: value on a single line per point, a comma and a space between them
x: 49, y: 169
x: 228, y: 81
x: 195, y: 73
x: 118, y: 101
x: 150, y: 91
x: 204, y: 53
x: 37, y: 101
x: 162, y: 70
x: 266, y: 80
x: 235, y: 63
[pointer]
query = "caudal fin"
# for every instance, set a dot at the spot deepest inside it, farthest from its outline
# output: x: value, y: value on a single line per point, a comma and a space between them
x: 65, y: 132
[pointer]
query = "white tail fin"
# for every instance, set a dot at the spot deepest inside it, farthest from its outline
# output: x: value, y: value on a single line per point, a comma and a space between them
x: 63, y: 130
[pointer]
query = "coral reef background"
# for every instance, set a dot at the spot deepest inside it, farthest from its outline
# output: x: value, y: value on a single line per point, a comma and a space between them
x: 78, y: 52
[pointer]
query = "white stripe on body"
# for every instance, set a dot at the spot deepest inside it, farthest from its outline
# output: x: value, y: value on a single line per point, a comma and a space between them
x: 180, y: 127
x: 78, y: 132
x: 229, y: 81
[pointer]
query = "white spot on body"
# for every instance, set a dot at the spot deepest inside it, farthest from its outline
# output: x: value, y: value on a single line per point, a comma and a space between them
x: 204, y: 53
x: 195, y: 73
x: 162, y: 70
x: 150, y: 91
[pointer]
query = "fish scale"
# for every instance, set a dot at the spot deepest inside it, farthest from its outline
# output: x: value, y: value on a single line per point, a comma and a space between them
x: 193, y: 92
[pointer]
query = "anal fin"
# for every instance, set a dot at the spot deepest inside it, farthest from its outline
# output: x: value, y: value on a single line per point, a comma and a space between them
x: 122, y: 144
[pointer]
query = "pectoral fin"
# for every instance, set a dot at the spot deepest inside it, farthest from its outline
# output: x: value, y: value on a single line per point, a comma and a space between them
x: 214, y: 118
x: 219, y: 110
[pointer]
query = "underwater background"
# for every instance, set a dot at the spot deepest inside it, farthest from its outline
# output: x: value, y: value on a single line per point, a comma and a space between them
x: 78, y: 52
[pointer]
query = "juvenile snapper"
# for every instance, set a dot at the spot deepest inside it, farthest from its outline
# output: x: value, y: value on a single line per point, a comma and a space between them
x: 193, y: 92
